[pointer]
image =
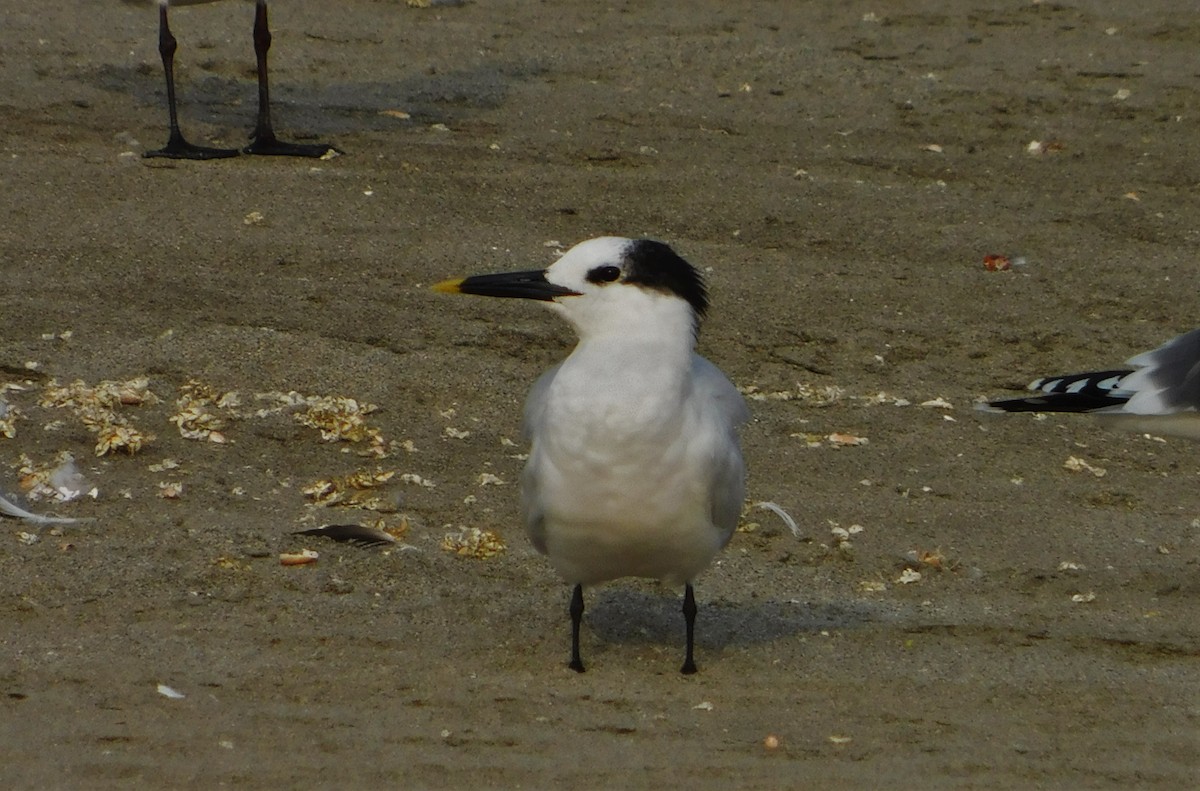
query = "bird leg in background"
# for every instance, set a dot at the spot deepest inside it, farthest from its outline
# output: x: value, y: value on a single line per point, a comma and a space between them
x: 689, y: 614
x: 576, y: 611
x: 177, y: 147
x: 263, y: 140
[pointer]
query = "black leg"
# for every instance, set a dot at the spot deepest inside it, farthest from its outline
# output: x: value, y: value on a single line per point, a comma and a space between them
x: 263, y: 140
x: 689, y: 614
x: 576, y: 618
x: 177, y: 147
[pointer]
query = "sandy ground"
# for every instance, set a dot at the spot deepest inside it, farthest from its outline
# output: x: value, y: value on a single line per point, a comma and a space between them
x: 839, y: 169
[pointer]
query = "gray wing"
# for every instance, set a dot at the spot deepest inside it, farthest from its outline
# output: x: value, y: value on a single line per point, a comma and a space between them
x: 728, y: 490
x: 535, y: 411
x: 535, y: 404
x: 1167, y: 379
x: 709, y: 378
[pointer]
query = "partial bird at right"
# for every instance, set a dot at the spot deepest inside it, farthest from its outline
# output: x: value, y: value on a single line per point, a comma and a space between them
x: 1156, y: 392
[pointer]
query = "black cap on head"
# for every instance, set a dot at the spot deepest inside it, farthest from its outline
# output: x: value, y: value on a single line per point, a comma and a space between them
x: 655, y: 265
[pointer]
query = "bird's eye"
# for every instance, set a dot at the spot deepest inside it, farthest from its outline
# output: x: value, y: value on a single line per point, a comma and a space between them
x: 604, y: 274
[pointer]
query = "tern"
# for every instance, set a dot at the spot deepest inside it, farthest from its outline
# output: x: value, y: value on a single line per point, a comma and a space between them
x: 262, y: 139
x: 1157, y: 391
x: 635, y: 467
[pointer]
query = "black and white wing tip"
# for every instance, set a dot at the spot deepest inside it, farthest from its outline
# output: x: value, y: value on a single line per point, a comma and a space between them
x: 1159, y: 393
x: 1087, y: 392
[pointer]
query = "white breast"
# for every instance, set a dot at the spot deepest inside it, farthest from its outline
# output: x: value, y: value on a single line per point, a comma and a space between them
x: 635, y: 468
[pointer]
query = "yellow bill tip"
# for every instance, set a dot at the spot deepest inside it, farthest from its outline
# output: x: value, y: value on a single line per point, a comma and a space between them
x: 449, y: 286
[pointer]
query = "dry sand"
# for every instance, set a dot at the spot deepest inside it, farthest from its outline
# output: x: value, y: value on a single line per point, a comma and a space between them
x: 840, y: 169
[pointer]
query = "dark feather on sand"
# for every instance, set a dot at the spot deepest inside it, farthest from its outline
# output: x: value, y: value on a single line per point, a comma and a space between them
x: 358, y: 535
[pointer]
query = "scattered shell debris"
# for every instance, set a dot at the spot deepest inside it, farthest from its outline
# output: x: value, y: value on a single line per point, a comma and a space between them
x: 1002, y: 263
x: 27, y: 539
x: 60, y: 480
x: 822, y: 395
x: 108, y: 394
x: 170, y: 692
x: 841, y: 538
x: 928, y: 558
x: 8, y: 418
x: 827, y: 395
x: 338, y: 418
x: 118, y: 436
x: 473, y: 542
x: 301, y: 558
x: 909, y: 576
x: 882, y: 399
x: 1038, y: 147
x: 837, y: 439
x: 397, y: 529
x: 816, y: 395
x: 1083, y: 598
x: 170, y: 490
x: 997, y: 263
x: 356, y: 490
x: 231, y: 564
x: 96, y: 407
x: 417, y: 480
x: 202, y: 412
x: 840, y: 440
x: 194, y: 416
x: 1076, y: 464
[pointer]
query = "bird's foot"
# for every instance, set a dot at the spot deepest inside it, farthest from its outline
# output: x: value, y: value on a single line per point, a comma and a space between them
x: 269, y: 145
x: 178, y: 148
